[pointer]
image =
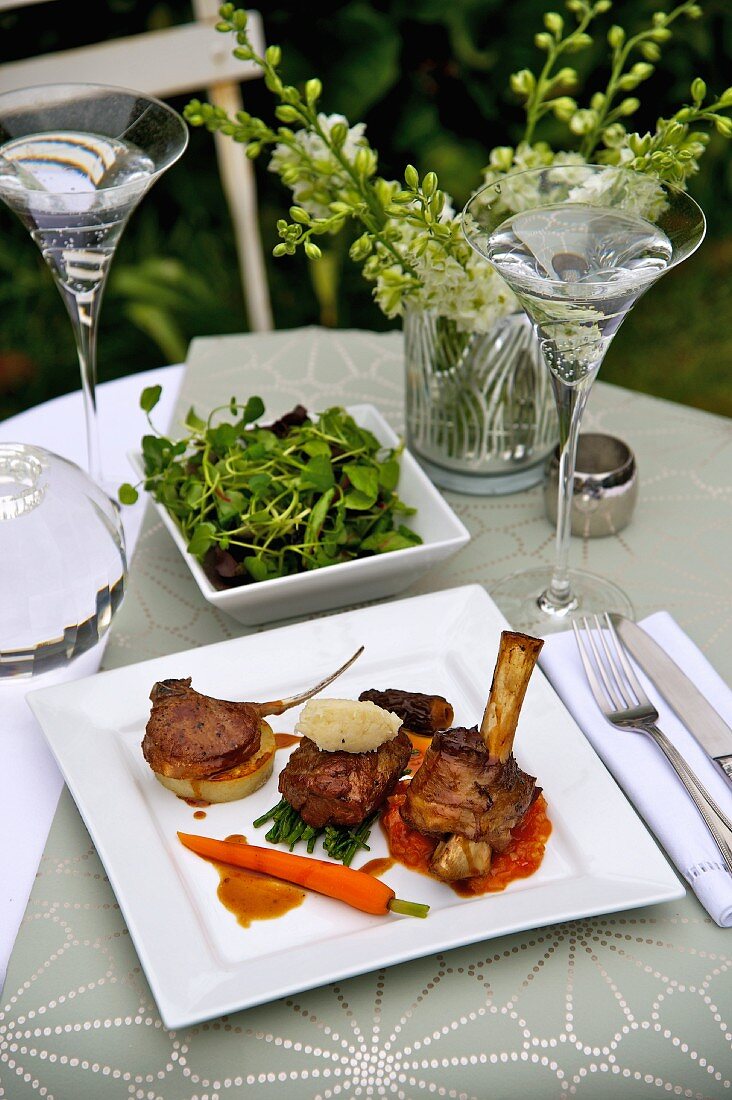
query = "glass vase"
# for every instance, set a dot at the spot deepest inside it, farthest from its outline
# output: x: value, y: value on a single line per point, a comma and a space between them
x: 480, y: 414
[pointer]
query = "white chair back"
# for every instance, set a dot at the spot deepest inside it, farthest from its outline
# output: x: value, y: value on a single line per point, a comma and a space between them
x: 176, y: 60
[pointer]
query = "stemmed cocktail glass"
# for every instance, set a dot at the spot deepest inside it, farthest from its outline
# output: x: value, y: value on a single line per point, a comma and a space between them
x: 578, y: 245
x: 75, y: 160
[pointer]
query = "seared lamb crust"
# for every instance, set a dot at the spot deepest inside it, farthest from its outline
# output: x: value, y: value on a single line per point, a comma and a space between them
x: 460, y: 789
x: 342, y: 788
x: 193, y: 736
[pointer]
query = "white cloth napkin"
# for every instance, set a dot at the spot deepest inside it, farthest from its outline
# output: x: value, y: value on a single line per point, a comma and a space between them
x: 641, y: 769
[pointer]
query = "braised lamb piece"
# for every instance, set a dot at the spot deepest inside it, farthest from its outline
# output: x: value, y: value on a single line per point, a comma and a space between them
x: 194, y: 736
x: 342, y: 788
x: 425, y: 714
x: 469, y: 790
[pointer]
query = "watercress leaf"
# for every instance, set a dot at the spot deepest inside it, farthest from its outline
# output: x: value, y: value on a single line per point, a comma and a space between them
x: 261, y: 570
x: 317, y: 516
x: 127, y: 493
x: 389, y: 474
x: 252, y: 410
x: 150, y: 397
x: 315, y: 447
x: 222, y: 438
x: 259, y: 517
x: 356, y: 500
x: 317, y: 474
x: 178, y: 448
x: 256, y: 568
x: 154, y: 451
x: 363, y: 478
x: 386, y: 541
x: 255, y: 451
x: 194, y: 493
x: 203, y: 537
x: 408, y: 533
x: 259, y: 483
x: 267, y: 439
x: 194, y: 422
x: 230, y: 506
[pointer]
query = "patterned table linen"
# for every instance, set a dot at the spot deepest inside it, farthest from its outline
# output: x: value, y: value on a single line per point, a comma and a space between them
x: 636, y: 1004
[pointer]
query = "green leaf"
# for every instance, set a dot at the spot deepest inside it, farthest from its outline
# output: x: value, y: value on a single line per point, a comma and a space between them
x: 316, y: 447
x: 202, y: 539
x: 154, y: 453
x: 150, y: 397
x: 194, y: 422
x: 363, y: 478
x: 259, y: 483
x: 318, y: 474
x: 259, y: 570
x: 222, y: 438
x: 389, y: 474
x: 194, y: 493
x: 127, y: 493
x: 317, y: 517
x: 356, y: 501
x: 252, y: 410
x: 387, y: 541
x: 232, y: 506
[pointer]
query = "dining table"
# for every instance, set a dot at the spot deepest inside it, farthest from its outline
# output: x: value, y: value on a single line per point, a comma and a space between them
x: 636, y: 1003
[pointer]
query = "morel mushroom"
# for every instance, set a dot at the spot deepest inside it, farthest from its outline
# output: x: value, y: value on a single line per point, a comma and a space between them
x: 425, y: 714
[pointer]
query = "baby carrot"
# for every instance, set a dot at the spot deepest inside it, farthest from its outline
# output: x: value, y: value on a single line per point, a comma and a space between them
x: 356, y: 888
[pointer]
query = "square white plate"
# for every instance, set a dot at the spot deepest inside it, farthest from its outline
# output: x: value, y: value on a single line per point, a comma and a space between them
x: 373, y: 578
x: 599, y: 857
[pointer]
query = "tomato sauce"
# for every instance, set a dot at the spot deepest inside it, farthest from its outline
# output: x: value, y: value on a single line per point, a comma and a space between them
x: 420, y: 744
x: 522, y: 857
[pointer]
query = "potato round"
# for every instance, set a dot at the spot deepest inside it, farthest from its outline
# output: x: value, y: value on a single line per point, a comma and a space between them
x: 344, y: 725
x: 237, y: 782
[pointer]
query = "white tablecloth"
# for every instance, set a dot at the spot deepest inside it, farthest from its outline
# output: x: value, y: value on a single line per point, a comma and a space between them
x: 31, y: 781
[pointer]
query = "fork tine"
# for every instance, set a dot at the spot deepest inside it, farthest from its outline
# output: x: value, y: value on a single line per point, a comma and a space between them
x: 598, y: 684
x: 605, y: 664
x: 622, y: 695
x: 640, y: 696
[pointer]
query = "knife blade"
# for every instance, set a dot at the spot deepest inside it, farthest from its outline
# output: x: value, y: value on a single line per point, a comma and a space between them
x: 684, y: 697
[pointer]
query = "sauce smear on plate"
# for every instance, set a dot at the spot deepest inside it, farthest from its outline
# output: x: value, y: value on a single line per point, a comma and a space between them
x: 251, y: 896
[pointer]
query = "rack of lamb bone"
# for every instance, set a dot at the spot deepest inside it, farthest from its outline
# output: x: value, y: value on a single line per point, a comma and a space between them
x: 469, y: 791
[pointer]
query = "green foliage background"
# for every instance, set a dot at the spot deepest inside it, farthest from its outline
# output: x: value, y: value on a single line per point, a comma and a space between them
x: 430, y: 79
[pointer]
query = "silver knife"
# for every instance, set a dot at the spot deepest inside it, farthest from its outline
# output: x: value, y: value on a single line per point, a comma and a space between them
x: 697, y: 714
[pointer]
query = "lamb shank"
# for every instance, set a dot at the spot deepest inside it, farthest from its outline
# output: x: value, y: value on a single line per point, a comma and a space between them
x: 470, y: 791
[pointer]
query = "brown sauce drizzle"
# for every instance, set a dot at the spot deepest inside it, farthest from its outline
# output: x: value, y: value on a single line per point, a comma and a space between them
x: 284, y: 740
x: 193, y: 801
x: 251, y: 896
x: 378, y: 867
x: 199, y: 815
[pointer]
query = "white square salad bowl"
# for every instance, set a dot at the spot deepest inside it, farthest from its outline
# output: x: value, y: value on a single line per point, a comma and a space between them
x: 353, y: 582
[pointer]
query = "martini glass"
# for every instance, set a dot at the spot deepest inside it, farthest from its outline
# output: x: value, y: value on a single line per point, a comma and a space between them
x: 75, y: 160
x: 578, y: 245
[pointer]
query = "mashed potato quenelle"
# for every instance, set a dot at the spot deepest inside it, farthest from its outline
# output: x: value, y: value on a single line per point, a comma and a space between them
x: 344, y: 725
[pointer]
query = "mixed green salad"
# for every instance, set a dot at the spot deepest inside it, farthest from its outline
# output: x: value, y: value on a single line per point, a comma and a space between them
x: 258, y: 501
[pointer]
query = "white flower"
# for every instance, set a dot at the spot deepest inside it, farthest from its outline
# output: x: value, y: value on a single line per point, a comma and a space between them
x: 520, y: 192
x: 311, y: 171
x: 467, y: 291
x: 639, y: 194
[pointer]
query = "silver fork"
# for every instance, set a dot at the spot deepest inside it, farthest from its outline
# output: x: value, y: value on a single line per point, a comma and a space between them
x: 622, y: 700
